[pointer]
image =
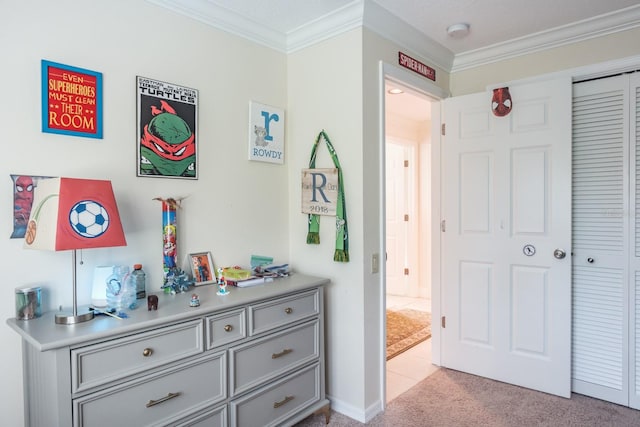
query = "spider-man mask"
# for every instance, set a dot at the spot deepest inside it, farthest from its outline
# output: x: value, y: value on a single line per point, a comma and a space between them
x: 501, y: 102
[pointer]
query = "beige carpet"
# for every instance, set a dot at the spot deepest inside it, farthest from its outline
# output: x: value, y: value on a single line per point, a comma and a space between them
x: 451, y: 398
x: 405, y: 329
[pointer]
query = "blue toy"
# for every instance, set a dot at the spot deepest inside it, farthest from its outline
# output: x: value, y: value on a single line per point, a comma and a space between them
x: 177, y: 281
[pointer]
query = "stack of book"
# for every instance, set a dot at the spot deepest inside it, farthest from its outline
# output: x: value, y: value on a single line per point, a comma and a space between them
x: 235, y: 276
x: 250, y: 281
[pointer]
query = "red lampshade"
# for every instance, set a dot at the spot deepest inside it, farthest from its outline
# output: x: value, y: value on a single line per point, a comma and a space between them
x: 71, y: 213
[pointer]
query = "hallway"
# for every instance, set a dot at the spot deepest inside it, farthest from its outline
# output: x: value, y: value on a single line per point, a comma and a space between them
x: 409, y: 368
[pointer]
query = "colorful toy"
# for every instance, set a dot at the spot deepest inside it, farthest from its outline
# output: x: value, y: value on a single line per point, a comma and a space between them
x: 169, y: 234
x: 177, y: 281
x: 222, y: 288
x: 195, y: 301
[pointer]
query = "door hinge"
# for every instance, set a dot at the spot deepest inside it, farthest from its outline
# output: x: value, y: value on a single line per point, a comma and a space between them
x: 406, y: 271
x: 443, y: 225
x: 443, y: 129
x: 406, y: 163
x: 443, y: 322
x: 406, y: 217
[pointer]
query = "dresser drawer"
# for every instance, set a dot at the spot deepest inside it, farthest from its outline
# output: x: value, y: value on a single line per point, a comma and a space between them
x: 275, y: 403
x: 273, y: 314
x: 109, y: 361
x: 160, y: 399
x: 265, y: 358
x: 226, y: 328
x: 216, y: 417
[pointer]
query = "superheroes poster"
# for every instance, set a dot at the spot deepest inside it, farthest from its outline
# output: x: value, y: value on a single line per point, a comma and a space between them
x: 167, y: 130
x: 71, y: 100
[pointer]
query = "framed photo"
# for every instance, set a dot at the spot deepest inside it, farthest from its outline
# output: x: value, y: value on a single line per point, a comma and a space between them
x: 167, y: 125
x: 202, y: 268
x: 71, y: 100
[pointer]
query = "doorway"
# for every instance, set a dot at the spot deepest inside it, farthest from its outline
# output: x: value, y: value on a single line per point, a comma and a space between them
x: 408, y: 236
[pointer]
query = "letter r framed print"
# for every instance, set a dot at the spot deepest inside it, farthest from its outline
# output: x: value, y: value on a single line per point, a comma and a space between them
x: 266, y: 133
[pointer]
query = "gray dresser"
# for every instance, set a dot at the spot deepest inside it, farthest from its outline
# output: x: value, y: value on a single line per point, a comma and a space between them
x: 254, y: 357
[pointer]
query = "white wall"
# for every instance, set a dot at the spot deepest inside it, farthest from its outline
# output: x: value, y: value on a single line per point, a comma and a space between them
x: 236, y: 208
x: 325, y: 92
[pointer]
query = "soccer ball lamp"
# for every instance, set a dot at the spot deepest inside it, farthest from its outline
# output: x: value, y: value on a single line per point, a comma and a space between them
x: 72, y: 214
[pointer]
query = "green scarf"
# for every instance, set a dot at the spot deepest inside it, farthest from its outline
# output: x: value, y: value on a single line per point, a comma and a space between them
x: 342, y: 236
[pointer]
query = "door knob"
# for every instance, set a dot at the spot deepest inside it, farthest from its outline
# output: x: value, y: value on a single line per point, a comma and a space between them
x: 559, y: 253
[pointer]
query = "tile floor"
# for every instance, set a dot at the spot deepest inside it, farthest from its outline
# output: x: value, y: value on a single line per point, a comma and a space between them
x: 409, y: 368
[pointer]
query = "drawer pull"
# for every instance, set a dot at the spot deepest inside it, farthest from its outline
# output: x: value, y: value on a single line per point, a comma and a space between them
x: 162, y: 399
x: 288, y: 310
x: 282, y: 353
x: 228, y: 328
x: 286, y: 400
x: 147, y: 352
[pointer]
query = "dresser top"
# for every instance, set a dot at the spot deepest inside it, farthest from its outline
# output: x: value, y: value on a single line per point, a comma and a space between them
x: 44, y: 334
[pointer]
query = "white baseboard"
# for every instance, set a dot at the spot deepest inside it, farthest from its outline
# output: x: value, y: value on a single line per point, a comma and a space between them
x: 353, y: 412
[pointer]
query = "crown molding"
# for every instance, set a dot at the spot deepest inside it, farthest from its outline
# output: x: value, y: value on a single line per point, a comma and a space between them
x: 228, y: 21
x: 603, y: 25
x: 330, y: 25
x: 358, y: 13
x: 368, y: 14
x: 387, y: 25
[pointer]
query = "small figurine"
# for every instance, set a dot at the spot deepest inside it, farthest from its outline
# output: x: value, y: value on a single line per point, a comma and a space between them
x: 222, y: 288
x: 152, y: 302
x: 177, y: 281
x: 195, y: 301
x: 220, y: 276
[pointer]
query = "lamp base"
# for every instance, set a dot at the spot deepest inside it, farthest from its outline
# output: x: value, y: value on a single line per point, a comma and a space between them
x: 70, y: 319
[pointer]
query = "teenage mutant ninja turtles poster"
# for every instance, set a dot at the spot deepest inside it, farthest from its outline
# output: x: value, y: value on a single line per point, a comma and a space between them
x: 167, y: 130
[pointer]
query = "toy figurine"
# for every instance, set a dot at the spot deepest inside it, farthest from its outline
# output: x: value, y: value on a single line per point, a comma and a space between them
x: 220, y: 276
x: 222, y: 288
x: 195, y: 301
x: 177, y: 281
x: 152, y: 302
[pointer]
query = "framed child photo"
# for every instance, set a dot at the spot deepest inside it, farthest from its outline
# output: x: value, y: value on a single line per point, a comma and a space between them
x: 202, y: 268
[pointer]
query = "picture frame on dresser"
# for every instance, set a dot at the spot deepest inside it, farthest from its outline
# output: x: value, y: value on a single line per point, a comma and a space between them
x: 202, y: 268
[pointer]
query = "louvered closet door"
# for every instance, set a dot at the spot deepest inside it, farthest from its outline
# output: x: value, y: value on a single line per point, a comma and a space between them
x: 634, y: 297
x: 603, y: 223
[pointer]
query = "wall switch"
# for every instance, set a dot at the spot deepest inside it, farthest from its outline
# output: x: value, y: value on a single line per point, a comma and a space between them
x: 375, y: 263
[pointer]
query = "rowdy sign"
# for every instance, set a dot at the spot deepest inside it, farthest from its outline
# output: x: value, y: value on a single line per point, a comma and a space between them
x: 71, y: 100
x: 266, y: 133
x: 319, y: 191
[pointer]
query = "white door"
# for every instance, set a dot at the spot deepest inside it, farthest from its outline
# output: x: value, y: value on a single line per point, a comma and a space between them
x: 601, y: 232
x: 506, y: 298
x: 606, y: 239
x: 401, y: 216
